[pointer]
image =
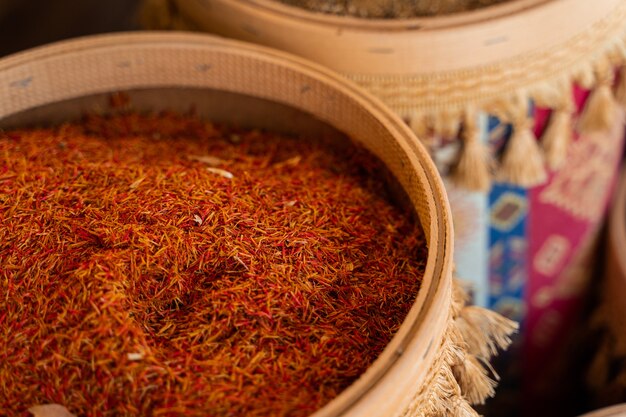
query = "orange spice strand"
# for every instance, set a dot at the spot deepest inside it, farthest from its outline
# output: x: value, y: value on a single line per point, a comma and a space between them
x: 135, y: 281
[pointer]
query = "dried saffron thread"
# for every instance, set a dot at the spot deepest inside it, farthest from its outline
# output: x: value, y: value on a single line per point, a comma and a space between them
x: 137, y: 281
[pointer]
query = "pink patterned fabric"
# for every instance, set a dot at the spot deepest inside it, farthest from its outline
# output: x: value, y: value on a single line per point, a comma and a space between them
x: 566, y: 215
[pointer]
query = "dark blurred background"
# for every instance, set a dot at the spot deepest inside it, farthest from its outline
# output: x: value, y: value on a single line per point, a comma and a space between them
x: 28, y: 23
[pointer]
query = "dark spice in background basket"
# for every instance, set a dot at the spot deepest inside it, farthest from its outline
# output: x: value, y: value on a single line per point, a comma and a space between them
x: 160, y: 265
x: 392, y: 9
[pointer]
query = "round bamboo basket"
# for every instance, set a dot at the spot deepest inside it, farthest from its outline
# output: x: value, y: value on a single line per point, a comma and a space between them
x: 358, y: 46
x: 437, y: 72
x: 229, y: 81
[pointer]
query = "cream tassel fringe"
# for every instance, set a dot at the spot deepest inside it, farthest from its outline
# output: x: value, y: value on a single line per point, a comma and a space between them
x: 422, y: 126
x: 443, y: 396
x: 446, y: 125
x: 476, y: 333
x: 522, y: 162
x: 482, y: 330
x: 459, y: 407
x: 472, y: 169
x: 460, y: 298
x: 585, y: 77
x: 485, y: 331
x: 557, y: 137
x: 475, y: 383
x: 601, y: 109
x: 459, y: 377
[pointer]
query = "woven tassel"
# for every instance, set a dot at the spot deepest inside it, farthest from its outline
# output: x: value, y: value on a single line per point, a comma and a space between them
x: 601, y: 109
x: 459, y: 407
x: 479, y: 330
x: 419, y: 125
x: 495, y: 328
x: 447, y: 125
x: 476, y: 385
x: 585, y: 78
x: 443, y: 389
x: 484, y: 331
x: 617, y: 55
x: 620, y: 88
x: 522, y: 162
x: 460, y: 298
x: 550, y: 94
x: 472, y: 169
x: 475, y: 341
x: 557, y: 137
x: 459, y: 378
x: 422, y: 126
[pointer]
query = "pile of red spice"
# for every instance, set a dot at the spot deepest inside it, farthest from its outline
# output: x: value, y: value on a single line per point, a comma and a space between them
x: 161, y: 265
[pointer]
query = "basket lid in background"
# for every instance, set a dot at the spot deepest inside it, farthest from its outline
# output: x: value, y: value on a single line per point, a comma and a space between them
x: 436, y: 72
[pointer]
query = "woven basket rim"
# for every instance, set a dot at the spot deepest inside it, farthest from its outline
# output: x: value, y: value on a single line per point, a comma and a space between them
x: 440, y: 252
x: 495, y: 11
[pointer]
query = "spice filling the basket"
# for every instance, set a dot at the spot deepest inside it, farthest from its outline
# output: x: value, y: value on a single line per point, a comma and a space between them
x: 159, y: 264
